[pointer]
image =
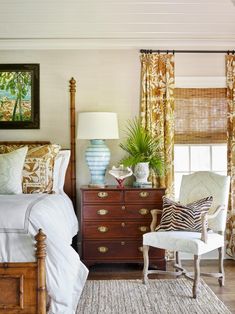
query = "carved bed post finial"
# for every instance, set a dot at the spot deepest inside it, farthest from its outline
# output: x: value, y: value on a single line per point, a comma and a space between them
x: 41, y: 282
x: 72, y: 85
x: 40, y: 244
x: 72, y: 138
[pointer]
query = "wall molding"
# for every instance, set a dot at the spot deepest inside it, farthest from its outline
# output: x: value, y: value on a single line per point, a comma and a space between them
x: 118, y: 43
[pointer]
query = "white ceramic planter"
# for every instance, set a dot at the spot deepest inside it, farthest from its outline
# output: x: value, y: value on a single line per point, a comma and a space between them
x: 141, y: 172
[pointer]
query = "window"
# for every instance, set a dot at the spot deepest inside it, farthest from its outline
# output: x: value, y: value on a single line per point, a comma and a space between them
x: 200, y: 131
x: 203, y: 157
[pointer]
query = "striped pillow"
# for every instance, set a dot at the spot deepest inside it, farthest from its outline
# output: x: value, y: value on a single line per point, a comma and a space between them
x: 178, y: 217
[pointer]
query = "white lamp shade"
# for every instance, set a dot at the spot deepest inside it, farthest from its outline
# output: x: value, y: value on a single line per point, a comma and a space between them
x: 97, y: 125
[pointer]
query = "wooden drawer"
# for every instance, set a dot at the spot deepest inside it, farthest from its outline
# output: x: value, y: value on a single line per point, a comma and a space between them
x: 121, y: 229
x: 144, y: 196
x: 102, y: 196
x: 141, y: 211
x: 121, y: 250
x: 123, y: 212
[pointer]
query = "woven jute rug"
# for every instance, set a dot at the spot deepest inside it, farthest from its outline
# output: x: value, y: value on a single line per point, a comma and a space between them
x: 161, y: 296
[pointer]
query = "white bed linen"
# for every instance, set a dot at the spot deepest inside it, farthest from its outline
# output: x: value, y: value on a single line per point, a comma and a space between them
x: 54, y: 214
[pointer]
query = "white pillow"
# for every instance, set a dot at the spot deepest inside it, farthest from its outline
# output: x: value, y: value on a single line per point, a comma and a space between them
x: 11, y: 166
x: 60, y: 168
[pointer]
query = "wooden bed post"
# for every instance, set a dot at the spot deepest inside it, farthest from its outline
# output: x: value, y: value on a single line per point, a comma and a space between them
x: 41, y: 281
x: 72, y: 139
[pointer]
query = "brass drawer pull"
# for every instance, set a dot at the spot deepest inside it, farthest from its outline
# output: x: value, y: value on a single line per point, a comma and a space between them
x: 103, y: 194
x: 123, y: 207
x: 103, y: 249
x: 123, y: 243
x: 143, y: 228
x: 103, y: 229
x: 102, y: 212
x: 123, y: 224
x: 143, y: 211
x: 144, y: 194
x: 140, y: 248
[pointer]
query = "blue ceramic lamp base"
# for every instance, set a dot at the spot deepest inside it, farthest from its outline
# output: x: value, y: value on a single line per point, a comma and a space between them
x: 97, y: 157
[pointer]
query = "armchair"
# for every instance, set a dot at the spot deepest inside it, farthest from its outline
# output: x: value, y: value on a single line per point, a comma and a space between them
x: 194, y: 187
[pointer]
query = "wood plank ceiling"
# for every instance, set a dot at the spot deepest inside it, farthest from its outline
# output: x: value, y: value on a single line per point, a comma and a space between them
x: 133, y: 22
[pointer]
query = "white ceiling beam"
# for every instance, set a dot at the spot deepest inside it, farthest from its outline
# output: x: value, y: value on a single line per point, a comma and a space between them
x: 95, y: 30
x: 130, y: 43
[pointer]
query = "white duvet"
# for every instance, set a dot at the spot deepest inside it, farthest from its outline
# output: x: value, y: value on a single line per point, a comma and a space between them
x: 21, y: 216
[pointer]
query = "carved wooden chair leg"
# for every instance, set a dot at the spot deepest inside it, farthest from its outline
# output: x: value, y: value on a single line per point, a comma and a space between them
x: 177, y: 260
x: 221, y: 266
x: 146, y: 263
x: 196, y: 275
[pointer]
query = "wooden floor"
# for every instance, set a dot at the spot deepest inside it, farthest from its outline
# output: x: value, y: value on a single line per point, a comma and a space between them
x: 134, y: 271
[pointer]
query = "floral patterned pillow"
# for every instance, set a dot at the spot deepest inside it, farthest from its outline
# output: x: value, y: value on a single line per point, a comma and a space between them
x: 38, y: 166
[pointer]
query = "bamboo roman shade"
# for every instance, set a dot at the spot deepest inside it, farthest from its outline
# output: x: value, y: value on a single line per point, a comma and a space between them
x: 200, y: 115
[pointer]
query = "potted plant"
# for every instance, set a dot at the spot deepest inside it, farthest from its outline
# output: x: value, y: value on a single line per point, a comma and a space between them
x: 143, y: 152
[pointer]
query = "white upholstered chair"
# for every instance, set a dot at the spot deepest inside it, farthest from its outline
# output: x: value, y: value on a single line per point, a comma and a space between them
x: 194, y: 187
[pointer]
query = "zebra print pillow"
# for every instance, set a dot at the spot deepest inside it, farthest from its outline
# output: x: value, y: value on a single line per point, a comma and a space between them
x: 178, y: 217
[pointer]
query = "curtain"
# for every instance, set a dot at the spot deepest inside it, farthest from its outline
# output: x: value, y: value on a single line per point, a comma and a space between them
x: 157, y: 110
x: 230, y: 232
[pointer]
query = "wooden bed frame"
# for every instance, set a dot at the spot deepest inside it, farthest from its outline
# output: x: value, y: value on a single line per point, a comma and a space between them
x: 23, y: 285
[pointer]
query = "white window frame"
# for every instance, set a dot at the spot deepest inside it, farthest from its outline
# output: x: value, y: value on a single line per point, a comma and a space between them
x: 189, y: 170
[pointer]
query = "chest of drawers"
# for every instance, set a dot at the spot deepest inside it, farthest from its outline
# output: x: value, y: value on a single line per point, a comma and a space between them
x: 113, y: 221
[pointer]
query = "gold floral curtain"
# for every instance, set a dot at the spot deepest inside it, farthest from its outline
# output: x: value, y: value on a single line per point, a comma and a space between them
x: 157, y: 109
x: 230, y: 233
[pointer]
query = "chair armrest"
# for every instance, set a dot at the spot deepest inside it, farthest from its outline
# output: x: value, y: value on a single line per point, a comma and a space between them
x: 154, y: 213
x: 205, y: 218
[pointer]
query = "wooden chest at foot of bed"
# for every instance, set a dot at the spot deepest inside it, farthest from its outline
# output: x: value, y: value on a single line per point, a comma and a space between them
x: 113, y: 221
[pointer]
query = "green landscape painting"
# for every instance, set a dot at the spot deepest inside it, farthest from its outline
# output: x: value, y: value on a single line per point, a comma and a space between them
x: 15, y: 96
x: 19, y: 96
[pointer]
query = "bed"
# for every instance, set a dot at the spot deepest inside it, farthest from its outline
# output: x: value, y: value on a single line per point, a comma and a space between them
x: 45, y: 275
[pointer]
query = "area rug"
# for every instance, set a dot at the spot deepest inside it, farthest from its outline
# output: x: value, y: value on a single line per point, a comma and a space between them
x: 161, y: 296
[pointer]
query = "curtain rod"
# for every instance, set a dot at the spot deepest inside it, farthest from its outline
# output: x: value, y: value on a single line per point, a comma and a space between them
x: 187, y: 51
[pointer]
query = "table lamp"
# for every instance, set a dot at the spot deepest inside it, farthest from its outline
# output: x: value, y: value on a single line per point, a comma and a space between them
x: 97, y: 127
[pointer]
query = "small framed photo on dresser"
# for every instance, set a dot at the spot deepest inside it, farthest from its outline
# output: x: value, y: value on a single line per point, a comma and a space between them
x: 19, y: 96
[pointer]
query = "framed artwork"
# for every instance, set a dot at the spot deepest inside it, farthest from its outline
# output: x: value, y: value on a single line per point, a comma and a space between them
x: 19, y: 96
